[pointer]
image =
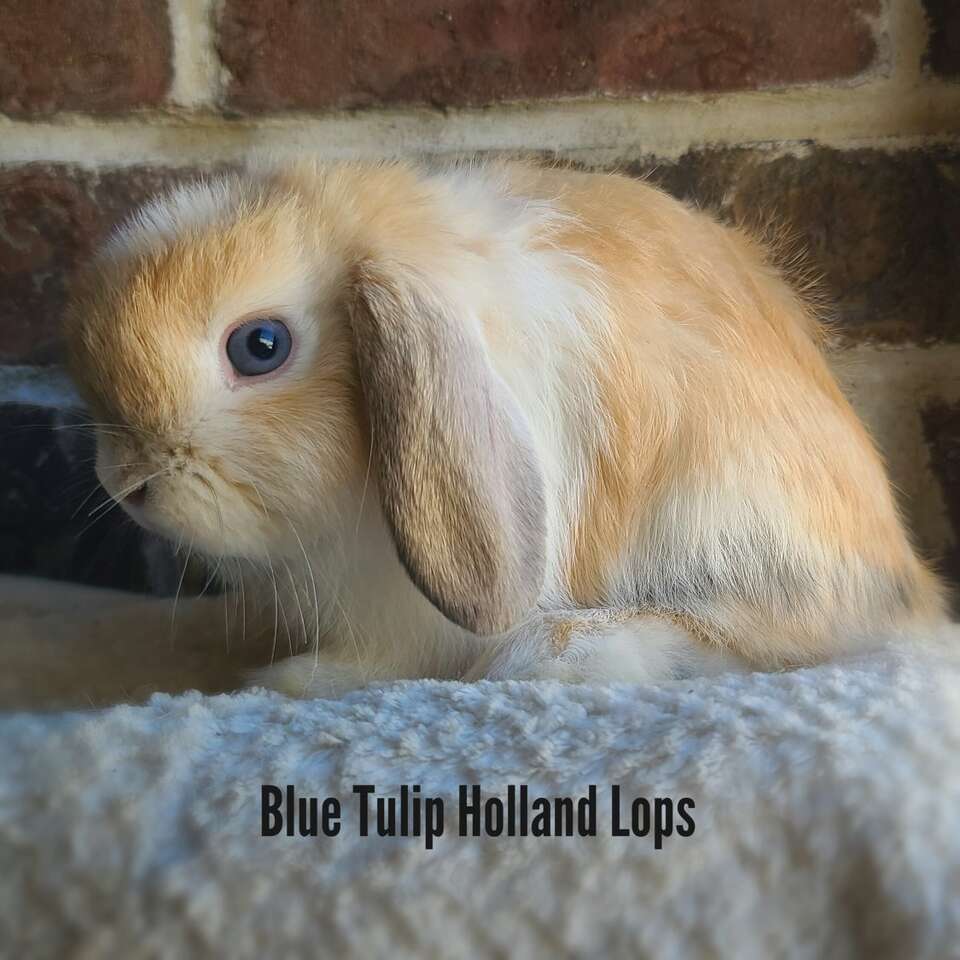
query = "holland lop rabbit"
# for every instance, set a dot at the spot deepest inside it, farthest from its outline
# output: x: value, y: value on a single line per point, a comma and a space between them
x: 497, y: 421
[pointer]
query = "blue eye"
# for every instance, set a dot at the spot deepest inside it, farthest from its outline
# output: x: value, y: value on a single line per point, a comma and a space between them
x: 259, y: 346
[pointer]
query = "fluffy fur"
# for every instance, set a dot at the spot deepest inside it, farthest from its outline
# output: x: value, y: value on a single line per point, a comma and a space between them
x: 532, y: 416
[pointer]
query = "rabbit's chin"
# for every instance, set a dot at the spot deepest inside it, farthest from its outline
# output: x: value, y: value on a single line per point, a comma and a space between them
x: 199, y: 538
x: 145, y: 519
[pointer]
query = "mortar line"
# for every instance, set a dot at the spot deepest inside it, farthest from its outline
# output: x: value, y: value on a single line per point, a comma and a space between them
x: 908, y: 35
x: 196, y: 65
x: 882, y: 112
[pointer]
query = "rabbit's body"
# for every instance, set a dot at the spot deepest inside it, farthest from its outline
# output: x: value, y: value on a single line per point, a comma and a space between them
x: 557, y: 408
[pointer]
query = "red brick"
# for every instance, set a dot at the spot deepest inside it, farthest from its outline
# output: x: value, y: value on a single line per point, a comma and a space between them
x: 51, y: 218
x: 943, y: 55
x: 97, y: 56
x: 881, y: 229
x: 302, y: 55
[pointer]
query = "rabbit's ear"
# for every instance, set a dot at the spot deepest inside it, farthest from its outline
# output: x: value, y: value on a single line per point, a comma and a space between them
x: 459, y: 481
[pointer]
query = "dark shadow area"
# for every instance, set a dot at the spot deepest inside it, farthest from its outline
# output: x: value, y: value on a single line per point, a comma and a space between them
x: 55, y: 518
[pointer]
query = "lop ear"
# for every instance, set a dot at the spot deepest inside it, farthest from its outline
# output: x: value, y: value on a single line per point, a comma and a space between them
x: 459, y: 482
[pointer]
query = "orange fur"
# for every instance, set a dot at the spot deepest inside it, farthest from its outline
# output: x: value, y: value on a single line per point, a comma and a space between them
x: 597, y: 397
x: 745, y: 367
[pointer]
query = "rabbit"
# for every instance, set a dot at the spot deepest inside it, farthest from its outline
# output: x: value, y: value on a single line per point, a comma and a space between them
x: 489, y: 420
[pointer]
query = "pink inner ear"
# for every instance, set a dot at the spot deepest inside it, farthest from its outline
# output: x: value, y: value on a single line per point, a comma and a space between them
x: 461, y: 487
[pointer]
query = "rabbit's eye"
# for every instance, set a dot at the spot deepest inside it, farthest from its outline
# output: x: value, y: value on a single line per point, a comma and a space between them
x: 259, y: 346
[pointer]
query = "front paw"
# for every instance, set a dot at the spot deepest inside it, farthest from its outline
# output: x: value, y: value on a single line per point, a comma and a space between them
x: 310, y: 676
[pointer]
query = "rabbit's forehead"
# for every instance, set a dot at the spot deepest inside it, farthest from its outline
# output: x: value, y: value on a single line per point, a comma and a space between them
x: 152, y: 343
x: 223, y: 271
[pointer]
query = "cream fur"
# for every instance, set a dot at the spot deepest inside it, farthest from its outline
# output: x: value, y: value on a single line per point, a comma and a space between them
x: 701, y: 470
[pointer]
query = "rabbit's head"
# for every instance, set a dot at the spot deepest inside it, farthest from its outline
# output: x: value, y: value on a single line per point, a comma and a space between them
x: 264, y: 351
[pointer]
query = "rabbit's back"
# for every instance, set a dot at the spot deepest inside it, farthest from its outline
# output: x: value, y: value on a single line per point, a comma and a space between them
x: 726, y: 479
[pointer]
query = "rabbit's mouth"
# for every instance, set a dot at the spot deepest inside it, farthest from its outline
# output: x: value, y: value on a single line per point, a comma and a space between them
x: 136, y: 504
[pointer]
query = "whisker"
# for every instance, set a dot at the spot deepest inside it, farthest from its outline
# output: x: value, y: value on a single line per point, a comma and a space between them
x: 226, y: 622
x: 123, y: 494
x: 176, y: 596
x: 120, y: 466
x: 335, y: 599
x: 243, y: 605
x: 296, y: 594
x: 85, y: 500
x: 97, y: 486
x: 276, y: 600
x: 286, y: 623
x: 263, y: 505
x: 98, y: 518
x: 226, y: 614
x: 99, y: 425
x: 210, y: 578
x: 276, y: 612
x: 363, y: 493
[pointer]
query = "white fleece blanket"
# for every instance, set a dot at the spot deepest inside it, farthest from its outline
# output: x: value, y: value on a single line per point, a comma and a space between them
x: 827, y: 821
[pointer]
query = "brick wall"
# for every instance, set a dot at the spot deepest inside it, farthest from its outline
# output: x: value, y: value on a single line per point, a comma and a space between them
x: 840, y: 118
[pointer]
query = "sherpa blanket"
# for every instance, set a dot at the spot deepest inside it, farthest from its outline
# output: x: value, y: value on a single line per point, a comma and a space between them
x: 825, y: 821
